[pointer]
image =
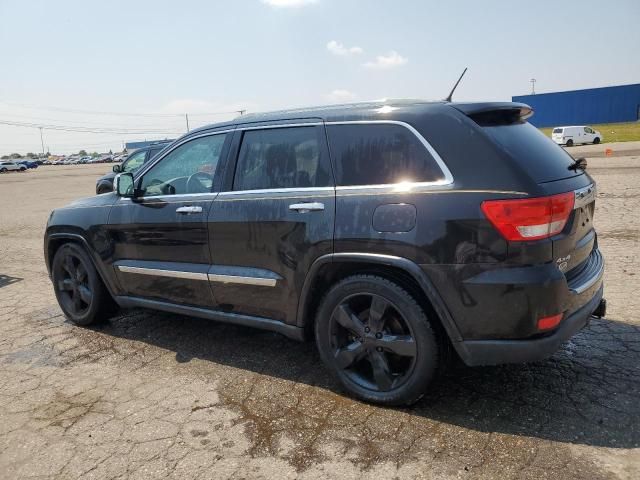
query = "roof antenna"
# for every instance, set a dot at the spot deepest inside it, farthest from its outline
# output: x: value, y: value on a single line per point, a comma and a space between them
x: 448, y: 99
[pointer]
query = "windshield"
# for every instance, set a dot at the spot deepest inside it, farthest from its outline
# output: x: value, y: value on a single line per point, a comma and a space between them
x: 557, y: 130
x: 134, y: 162
x: 537, y: 154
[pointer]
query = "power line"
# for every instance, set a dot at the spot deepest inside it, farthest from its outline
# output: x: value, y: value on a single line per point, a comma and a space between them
x: 79, y: 129
x: 124, y: 114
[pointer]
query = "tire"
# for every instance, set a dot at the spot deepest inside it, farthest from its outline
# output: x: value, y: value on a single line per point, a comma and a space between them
x: 569, y: 143
x: 81, y: 294
x: 3, y: 170
x: 596, y: 140
x: 103, y: 189
x: 388, y: 358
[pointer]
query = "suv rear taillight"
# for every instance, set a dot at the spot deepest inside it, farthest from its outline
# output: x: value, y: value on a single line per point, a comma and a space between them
x: 529, y: 218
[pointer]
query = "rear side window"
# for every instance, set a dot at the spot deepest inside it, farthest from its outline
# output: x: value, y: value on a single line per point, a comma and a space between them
x: 533, y: 151
x: 282, y: 158
x: 377, y: 154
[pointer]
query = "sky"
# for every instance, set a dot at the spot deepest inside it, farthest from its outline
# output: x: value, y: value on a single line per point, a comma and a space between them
x: 130, y: 70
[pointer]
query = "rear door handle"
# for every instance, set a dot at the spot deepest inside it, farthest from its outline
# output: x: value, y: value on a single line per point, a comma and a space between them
x: 307, y: 207
x: 188, y: 210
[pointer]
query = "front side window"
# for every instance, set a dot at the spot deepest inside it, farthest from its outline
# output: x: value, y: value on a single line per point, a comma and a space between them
x: 377, y: 154
x: 282, y: 158
x: 134, y: 162
x: 190, y: 168
x: 588, y: 130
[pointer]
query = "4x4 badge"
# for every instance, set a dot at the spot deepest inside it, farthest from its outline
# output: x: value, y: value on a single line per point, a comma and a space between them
x: 562, y: 263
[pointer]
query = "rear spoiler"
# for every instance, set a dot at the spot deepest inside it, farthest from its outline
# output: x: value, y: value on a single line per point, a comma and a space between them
x: 495, y: 113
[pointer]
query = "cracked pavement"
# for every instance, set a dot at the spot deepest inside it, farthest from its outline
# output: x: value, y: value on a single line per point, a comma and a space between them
x: 154, y: 395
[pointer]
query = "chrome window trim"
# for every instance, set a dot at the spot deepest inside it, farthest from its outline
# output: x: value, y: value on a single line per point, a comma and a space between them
x: 242, y: 280
x: 212, y: 196
x: 157, y: 272
x: 448, y: 177
x: 283, y: 125
x: 278, y: 190
x: 410, y: 186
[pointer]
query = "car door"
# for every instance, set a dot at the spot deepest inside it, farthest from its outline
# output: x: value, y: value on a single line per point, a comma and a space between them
x: 274, y: 219
x: 589, y: 135
x: 160, y: 238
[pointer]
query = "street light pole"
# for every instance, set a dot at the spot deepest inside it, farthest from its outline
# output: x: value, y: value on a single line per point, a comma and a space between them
x: 42, y: 141
x: 186, y: 117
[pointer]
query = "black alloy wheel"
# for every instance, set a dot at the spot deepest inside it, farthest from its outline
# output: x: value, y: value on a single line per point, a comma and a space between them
x: 79, y: 290
x: 377, y: 340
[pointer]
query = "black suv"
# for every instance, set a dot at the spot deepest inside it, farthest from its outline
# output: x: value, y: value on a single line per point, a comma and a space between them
x: 393, y: 232
x: 138, y: 158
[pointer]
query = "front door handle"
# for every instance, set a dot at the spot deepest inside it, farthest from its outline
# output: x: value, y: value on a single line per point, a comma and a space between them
x: 188, y: 210
x: 307, y: 207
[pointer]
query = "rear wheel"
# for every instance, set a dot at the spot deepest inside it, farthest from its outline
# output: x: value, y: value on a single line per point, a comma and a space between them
x: 376, y: 340
x: 80, y: 292
x: 569, y: 143
x: 3, y: 170
x: 596, y: 140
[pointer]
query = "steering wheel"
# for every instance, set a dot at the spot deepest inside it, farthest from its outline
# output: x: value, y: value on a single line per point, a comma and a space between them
x: 199, y: 182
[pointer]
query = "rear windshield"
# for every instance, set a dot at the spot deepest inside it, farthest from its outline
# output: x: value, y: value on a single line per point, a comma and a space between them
x: 537, y: 154
x: 557, y: 130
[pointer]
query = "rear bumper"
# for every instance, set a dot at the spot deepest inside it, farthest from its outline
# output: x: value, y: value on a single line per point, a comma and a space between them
x: 493, y: 352
x: 497, y: 310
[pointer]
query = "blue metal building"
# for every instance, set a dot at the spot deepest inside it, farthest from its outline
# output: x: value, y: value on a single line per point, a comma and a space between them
x: 583, y: 107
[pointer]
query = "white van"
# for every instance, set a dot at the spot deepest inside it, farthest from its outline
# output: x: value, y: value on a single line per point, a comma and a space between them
x: 574, y: 135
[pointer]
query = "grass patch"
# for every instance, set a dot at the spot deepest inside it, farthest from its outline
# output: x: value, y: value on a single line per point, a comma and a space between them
x: 612, y: 132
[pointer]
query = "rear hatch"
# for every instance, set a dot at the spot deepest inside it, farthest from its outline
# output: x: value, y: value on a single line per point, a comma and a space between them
x: 548, y: 165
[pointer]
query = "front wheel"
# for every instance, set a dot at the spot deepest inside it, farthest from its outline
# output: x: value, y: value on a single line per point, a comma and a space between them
x: 104, y: 189
x: 376, y: 340
x: 596, y: 141
x: 81, y: 294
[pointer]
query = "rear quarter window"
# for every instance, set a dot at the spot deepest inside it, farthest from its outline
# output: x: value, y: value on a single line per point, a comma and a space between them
x: 378, y: 154
x: 543, y: 160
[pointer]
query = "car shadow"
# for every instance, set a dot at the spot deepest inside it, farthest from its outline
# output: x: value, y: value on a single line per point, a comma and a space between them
x: 587, y: 393
x: 7, y: 280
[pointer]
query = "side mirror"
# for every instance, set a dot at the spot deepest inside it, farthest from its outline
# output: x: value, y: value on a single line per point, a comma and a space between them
x: 116, y: 169
x: 123, y: 185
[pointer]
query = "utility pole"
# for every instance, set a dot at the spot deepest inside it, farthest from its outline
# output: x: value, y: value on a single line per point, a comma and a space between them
x: 533, y: 86
x: 186, y: 117
x: 41, y: 141
x: 241, y: 112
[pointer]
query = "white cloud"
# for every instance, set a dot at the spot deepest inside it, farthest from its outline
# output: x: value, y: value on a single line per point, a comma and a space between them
x: 288, y: 3
x: 391, y: 60
x: 340, y: 95
x: 338, y: 48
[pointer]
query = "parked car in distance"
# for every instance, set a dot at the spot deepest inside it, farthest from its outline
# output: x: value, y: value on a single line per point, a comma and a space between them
x: 28, y: 163
x: 575, y: 135
x: 134, y: 161
x: 393, y: 232
x: 11, y: 167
